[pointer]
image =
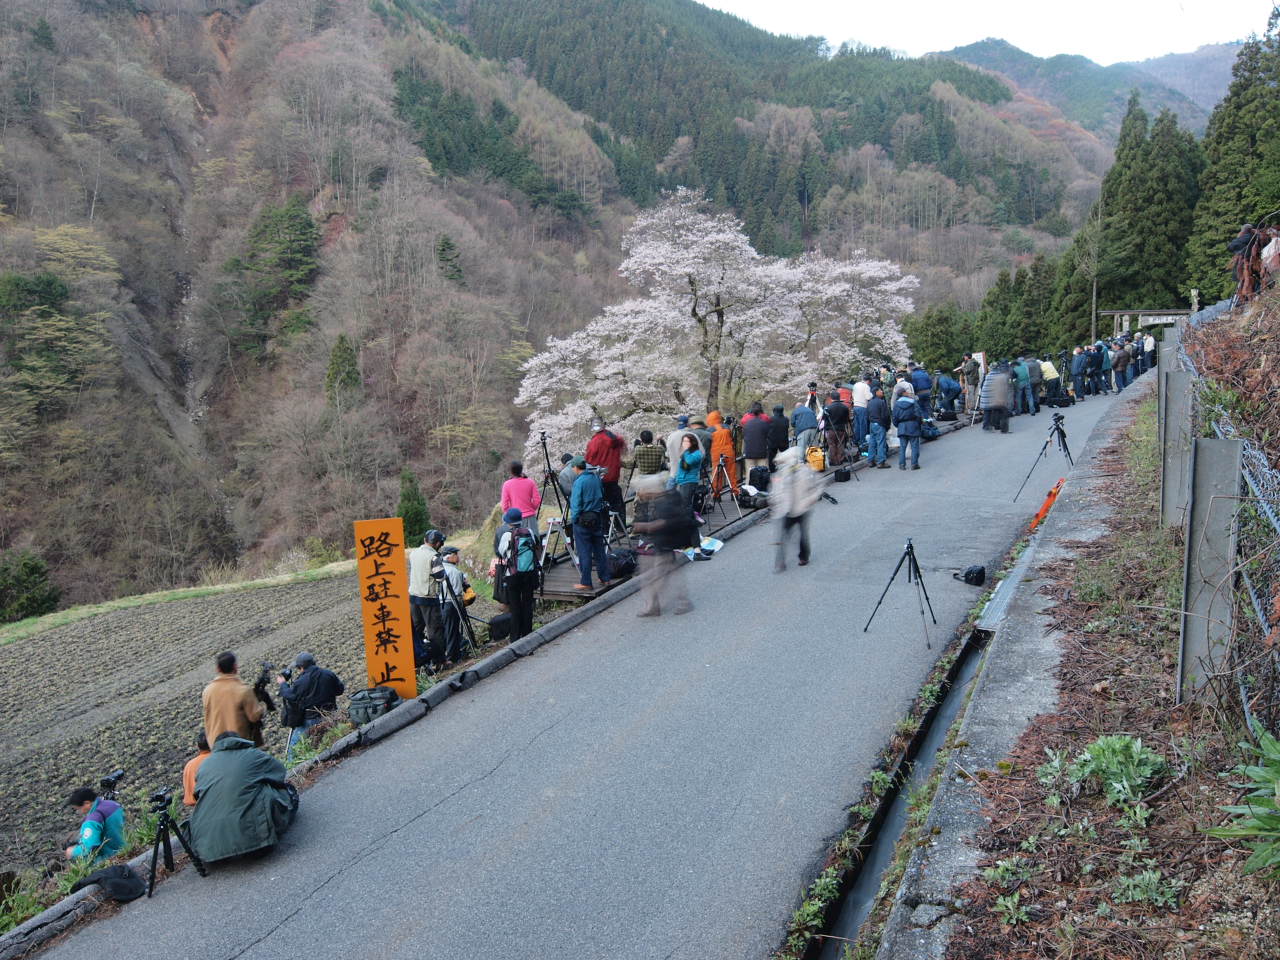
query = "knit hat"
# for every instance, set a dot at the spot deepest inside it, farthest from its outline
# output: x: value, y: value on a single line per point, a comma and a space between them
x: 512, y: 515
x: 580, y: 461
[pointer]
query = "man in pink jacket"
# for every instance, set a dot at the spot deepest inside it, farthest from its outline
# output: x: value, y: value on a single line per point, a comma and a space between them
x: 521, y: 492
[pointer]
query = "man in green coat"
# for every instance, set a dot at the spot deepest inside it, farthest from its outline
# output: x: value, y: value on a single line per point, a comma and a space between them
x: 243, y: 801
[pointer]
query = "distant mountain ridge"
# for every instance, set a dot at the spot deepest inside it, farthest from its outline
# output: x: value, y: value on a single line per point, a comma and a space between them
x: 1203, y: 74
x: 1095, y: 96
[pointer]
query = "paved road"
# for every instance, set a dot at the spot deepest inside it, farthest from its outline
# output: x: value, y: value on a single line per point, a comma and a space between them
x: 637, y: 789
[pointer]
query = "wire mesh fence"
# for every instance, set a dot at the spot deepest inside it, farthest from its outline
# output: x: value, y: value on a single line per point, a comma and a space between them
x: 1254, y: 658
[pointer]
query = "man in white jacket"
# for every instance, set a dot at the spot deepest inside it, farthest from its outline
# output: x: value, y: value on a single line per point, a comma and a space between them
x: 792, y: 494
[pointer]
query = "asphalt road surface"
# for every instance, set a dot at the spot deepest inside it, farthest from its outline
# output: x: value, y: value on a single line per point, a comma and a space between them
x: 640, y: 788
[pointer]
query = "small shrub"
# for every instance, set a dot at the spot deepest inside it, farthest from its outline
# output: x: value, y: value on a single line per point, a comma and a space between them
x: 1147, y: 886
x: 880, y: 782
x: 1121, y: 765
x: 1010, y: 910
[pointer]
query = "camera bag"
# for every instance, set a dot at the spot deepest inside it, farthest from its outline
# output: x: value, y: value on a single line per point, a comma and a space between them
x: 759, y: 478
x: 367, y: 705
x: 843, y: 475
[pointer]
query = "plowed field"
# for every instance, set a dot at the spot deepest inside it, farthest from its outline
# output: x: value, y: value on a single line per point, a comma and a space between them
x: 122, y: 689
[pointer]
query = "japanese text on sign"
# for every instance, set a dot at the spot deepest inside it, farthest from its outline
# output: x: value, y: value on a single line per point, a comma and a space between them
x: 384, y: 604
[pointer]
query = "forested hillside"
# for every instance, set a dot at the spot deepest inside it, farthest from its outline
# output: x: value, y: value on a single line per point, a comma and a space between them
x: 1203, y: 74
x: 1092, y: 95
x: 264, y: 265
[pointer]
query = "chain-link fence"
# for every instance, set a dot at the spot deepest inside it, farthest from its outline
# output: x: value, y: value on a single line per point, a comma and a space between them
x: 1255, y: 656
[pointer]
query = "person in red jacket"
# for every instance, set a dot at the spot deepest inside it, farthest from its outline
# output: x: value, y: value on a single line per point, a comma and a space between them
x: 604, y: 450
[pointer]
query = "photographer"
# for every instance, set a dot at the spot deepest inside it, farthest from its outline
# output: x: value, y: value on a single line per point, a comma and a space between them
x: 231, y: 704
x: 191, y: 768
x: 244, y: 803
x: 101, y: 829
x: 647, y: 457
x: 308, y: 698
x: 604, y: 450
x: 424, y: 601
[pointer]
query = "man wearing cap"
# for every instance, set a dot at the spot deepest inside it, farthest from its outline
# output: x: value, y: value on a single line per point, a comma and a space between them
x: 604, y: 450
x: 424, y: 601
x: 451, y: 607
x: 313, y: 692
x: 587, y: 513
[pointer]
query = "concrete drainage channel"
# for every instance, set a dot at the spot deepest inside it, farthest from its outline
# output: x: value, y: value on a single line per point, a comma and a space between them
x: 862, y: 884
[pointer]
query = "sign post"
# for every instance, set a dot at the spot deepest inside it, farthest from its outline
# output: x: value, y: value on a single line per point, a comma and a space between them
x: 384, y: 605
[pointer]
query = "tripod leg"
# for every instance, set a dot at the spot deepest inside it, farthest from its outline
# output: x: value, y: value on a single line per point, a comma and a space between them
x: 155, y: 853
x: 886, y: 591
x: 915, y: 564
x: 1043, y: 449
x: 195, y: 858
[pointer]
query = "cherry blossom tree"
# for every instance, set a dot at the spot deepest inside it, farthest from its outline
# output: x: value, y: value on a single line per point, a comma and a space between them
x: 717, y: 324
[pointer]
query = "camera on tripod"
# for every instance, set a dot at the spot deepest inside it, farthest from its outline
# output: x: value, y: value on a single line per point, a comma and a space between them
x: 1058, y: 418
x: 110, y: 783
x: 160, y: 799
x: 260, y: 686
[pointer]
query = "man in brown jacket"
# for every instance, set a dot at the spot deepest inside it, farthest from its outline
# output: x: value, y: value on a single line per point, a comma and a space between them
x: 230, y: 703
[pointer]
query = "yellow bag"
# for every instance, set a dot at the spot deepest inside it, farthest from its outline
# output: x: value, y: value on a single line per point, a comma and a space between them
x: 468, y: 596
x: 816, y: 458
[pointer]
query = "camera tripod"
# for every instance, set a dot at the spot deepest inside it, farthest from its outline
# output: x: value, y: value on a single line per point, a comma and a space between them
x: 550, y: 478
x: 922, y: 595
x: 721, y: 475
x: 160, y: 805
x: 464, y: 618
x: 1056, y: 432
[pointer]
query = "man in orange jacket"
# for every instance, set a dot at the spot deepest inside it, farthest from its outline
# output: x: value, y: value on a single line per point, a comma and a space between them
x: 722, y: 446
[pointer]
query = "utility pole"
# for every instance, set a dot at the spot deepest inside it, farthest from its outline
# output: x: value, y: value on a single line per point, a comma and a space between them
x: 1097, y: 262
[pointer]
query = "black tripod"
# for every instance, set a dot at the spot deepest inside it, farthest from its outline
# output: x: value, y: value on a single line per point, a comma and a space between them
x: 721, y: 473
x: 922, y: 595
x: 160, y: 805
x: 550, y: 478
x: 1056, y: 432
x: 464, y: 618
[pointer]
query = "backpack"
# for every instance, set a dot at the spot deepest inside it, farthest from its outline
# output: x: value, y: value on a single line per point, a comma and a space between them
x: 928, y: 431
x: 975, y: 575
x: 367, y: 705
x: 622, y: 563
x: 816, y: 458
x: 759, y: 478
x: 522, y: 552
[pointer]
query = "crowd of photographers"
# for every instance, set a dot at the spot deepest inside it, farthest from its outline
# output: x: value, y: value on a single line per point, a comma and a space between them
x: 240, y: 798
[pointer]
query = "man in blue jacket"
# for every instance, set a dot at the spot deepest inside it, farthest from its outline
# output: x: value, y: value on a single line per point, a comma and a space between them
x: 922, y: 384
x: 1079, y: 366
x: 589, y: 516
x: 906, y: 417
x: 101, y: 831
x: 804, y: 425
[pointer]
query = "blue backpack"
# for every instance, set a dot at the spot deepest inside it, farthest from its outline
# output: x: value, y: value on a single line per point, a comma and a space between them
x: 523, y: 557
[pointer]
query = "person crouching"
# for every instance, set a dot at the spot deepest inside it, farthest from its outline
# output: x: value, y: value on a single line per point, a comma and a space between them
x: 244, y: 804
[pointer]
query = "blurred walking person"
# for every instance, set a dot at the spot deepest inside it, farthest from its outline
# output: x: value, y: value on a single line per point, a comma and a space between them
x: 669, y: 526
x: 794, y: 492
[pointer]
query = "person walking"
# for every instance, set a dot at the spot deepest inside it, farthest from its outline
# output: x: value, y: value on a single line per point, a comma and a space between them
x: 906, y: 417
x: 669, y: 526
x: 879, y: 423
x: 588, y: 514
x: 795, y: 491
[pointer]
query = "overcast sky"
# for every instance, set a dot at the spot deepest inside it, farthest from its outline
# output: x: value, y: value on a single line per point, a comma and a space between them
x: 1105, y: 31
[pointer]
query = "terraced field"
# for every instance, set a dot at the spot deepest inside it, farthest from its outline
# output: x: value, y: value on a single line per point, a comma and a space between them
x: 122, y: 689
